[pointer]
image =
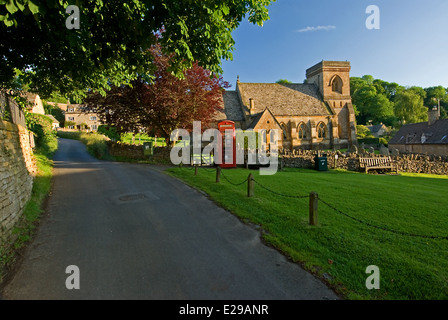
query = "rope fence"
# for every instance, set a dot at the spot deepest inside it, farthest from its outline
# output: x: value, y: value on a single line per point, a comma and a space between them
x: 314, y: 199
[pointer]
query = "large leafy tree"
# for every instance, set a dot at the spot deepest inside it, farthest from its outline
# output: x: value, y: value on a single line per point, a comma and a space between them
x: 436, y: 96
x: 110, y: 47
x: 409, y: 106
x: 371, y: 101
x: 166, y: 103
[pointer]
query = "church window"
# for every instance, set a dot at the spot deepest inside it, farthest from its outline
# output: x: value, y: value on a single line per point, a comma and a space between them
x: 336, y: 84
x: 284, y: 130
x: 302, y: 131
x: 263, y: 136
x: 321, y: 130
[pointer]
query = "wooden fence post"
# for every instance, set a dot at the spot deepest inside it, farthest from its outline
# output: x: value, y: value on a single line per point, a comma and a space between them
x: 218, y: 174
x: 313, y: 208
x: 250, y: 185
x: 195, y: 169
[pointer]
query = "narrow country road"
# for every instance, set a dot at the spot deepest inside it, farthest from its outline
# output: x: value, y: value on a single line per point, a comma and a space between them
x: 136, y: 233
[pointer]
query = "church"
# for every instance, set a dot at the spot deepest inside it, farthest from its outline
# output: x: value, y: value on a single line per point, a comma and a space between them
x: 315, y: 115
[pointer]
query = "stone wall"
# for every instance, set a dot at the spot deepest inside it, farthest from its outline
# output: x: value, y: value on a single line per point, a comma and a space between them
x: 305, y: 159
x: 135, y: 152
x: 412, y: 163
x: 17, y: 169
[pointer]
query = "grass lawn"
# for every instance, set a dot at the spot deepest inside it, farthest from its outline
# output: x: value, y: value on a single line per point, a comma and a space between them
x: 140, y: 138
x: 345, y: 242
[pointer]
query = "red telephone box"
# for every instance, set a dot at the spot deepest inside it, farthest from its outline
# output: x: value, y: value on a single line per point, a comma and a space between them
x: 228, y: 144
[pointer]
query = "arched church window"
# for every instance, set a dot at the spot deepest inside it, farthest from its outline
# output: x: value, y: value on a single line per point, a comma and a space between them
x: 263, y: 134
x: 321, y: 130
x: 284, y: 131
x: 301, y: 131
x: 336, y: 84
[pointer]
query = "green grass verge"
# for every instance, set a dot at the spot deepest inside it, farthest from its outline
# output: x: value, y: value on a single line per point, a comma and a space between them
x: 340, y: 248
x: 140, y: 138
x: 95, y: 143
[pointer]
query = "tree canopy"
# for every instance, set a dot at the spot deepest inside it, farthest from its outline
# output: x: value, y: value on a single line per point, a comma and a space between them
x: 379, y: 101
x: 165, y: 104
x: 111, y: 45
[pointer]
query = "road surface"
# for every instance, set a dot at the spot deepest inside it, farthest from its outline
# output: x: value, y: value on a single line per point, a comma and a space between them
x: 133, y: 232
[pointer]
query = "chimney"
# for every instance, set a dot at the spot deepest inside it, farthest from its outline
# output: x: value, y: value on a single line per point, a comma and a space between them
x: 251, y: 105
x: 433, y: 115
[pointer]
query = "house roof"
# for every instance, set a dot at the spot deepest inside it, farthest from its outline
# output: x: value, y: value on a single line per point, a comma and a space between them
x: 52, y: 118
x: 376, y: 127
x: 437, y: 133
x: 284, y: 99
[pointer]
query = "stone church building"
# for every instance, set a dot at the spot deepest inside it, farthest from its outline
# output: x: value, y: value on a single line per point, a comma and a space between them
x: 315, y: 115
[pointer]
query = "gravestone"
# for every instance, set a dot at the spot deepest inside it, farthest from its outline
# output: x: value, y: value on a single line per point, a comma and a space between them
x: 363, y: 148
x: 384, y: 151
x: 371, y: 150
x: 354, y: 149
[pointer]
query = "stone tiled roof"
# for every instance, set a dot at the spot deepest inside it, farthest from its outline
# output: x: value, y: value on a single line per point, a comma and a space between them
x: 375, y: 128
x: 284, y: 99
x: 437, y: 133
x: 232, y: 106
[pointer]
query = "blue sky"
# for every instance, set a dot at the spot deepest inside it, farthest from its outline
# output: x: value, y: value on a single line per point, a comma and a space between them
x: 410, y: 48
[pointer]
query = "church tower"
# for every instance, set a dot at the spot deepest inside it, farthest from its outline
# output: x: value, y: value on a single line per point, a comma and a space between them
x: 333, y: 81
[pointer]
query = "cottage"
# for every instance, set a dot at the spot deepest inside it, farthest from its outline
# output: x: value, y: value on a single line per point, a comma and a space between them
x: 314, y: 115
x: 425, y: 137
x: 54, y: 122
x: 377, y: 130
x: 81, y: 117
x: 35, y: 103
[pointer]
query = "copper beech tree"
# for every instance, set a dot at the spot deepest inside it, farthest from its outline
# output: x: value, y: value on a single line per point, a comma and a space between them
x: 162, y: 102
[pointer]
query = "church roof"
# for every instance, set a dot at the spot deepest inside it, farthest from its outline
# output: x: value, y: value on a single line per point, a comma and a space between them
x: 437, y: 133
x: 284, y: 99
x: 232, y: 106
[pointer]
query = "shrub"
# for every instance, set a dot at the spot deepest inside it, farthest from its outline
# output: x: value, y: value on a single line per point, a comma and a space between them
x: 45, y: 136
x: 110, y: 132
x: 95, y: 143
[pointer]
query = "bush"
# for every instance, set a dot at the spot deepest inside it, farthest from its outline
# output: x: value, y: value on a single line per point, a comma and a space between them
x: 45, y: 136
x: 95, y: 143
x: 110, y: 132
x: 363, y: 132
x: 369, y: 141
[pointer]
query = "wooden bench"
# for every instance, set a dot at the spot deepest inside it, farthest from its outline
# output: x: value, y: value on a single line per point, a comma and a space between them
x: 377, y: 163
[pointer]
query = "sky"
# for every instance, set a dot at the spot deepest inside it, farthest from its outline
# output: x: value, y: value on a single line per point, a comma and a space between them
x: 409, y: 48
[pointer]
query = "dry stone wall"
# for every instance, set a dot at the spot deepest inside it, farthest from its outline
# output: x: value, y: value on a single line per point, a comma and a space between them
x: 412, y: 163
x: 135, y: 152
x: 17, y: 169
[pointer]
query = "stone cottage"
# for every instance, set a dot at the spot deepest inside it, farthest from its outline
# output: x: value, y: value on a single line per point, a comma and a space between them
x: 81, y: 117
x: 317, y: 114
x: 35, y: 103
x: 425, y: 137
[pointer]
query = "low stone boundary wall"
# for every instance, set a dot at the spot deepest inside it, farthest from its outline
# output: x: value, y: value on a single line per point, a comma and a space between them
x: 135, y: 152
x: 17, y: 169
x: 411, y: 163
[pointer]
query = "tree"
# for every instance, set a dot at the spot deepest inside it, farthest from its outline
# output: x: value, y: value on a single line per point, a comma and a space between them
x: 111, y: 46
x: 283, y: 81
x: 409, y: 106
x: 363, y: 132
x: 437, y: 96
x: 165, y: 104
x: 370, y: 105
